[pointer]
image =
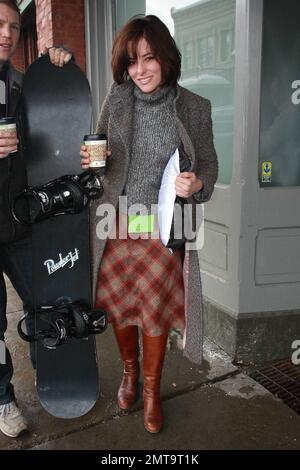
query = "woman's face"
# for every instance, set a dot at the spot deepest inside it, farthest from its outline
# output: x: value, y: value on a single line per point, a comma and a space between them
x: 145, y: 70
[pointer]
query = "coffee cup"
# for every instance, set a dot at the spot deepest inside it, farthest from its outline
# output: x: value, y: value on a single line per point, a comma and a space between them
x: 97, y: 147
x: 8, y: 127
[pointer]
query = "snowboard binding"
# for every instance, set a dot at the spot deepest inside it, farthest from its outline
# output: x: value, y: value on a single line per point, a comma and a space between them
x: 64, y: 321
x: 69, y: 194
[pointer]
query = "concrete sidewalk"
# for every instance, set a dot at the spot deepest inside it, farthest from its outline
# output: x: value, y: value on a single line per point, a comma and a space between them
x: 216, y: 406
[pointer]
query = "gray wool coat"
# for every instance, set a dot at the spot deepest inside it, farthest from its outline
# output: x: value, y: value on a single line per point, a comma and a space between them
x: 193, y: 115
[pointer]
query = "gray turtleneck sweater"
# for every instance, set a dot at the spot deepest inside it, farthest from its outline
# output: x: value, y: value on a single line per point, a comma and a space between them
x: 155, y: 138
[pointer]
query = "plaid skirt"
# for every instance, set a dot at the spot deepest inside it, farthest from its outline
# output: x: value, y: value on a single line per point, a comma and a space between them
x: 140, y: 283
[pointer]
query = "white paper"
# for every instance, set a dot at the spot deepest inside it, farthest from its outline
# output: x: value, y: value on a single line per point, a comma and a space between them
x: 2, y: 92
x: 166, y: 197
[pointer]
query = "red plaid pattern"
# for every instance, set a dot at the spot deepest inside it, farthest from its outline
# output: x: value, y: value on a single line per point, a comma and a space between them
x: 140, y: 283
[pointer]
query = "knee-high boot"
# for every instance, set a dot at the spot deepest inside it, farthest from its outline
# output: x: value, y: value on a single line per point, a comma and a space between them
x: 128, y: 342
x: 154, y: 353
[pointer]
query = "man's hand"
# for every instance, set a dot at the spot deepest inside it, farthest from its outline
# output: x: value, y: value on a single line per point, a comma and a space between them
x: 8, y: 144
x: 187, y: 184
x: 58, y: 55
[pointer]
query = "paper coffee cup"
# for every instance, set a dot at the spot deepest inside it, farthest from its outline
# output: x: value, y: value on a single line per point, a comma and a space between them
x: 8, y: 125
x: 97, y: 148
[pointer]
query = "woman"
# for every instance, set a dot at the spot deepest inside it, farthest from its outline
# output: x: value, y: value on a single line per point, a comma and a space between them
x: 146, y: 117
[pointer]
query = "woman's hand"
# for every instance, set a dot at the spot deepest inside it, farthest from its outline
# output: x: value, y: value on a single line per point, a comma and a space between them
x: 8, y: 144
x: 85, y: 157
x: 187, y: 184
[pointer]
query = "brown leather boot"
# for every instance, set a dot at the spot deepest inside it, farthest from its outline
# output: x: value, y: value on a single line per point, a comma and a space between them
x: 128, y: 341
x: 154, y: 353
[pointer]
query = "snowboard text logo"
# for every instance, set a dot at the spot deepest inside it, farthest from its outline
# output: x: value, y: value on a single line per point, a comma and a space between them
x: 70, y: 259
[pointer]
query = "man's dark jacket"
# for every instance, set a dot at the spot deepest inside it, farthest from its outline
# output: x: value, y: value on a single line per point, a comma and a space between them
x: 12, y: 169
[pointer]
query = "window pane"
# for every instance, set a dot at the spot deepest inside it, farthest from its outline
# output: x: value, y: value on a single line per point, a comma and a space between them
x: 187, y: 57
x: 280, y: 95
x: 225, y: 47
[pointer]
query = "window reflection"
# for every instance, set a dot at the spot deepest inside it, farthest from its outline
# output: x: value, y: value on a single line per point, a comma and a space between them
x: 204, y: 31
x: 205, y: 52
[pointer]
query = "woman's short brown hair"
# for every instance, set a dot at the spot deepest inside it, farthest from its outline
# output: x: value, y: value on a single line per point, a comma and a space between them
x: 162, y: 45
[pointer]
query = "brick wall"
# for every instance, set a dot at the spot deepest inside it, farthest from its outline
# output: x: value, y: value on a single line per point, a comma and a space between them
x: 62, y: 23
x: 44, y: 23
x: 18, y: 58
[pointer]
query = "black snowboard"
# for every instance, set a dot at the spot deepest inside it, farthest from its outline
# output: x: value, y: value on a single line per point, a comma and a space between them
x: 57, y: 109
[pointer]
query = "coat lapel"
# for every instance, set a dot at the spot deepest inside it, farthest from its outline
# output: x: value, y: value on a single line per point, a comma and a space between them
x: 15, y: 83
x: 122, y: 113
x: 14, y: 99
x: 182, y: 116
x: 121, y: 107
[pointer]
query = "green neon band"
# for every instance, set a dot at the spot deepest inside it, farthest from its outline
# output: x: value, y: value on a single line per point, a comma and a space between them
x: 140, y: 223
